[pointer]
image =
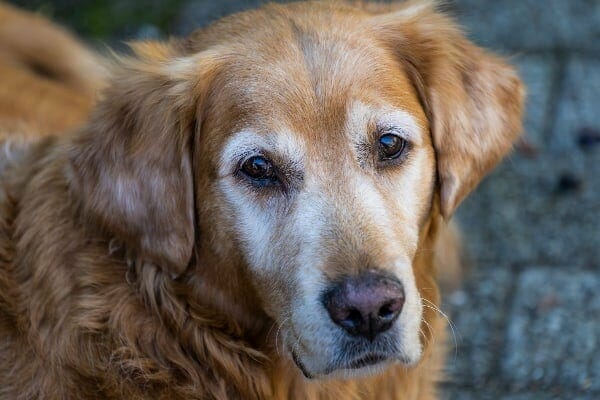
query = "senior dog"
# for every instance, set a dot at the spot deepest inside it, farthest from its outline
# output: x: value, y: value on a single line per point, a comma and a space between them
x: 248, y: 212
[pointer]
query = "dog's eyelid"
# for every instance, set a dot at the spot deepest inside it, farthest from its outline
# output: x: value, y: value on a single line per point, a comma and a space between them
x: 403, y: 124
x: 231, y: 160
x: 397, y: 131
x: 244, y: 155
x: 277, y: 147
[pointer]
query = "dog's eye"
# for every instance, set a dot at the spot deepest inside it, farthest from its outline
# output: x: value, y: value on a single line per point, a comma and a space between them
x: 390, y: 146
x: 259, y: 169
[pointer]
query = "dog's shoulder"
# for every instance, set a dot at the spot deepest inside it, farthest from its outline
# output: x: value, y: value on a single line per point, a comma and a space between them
x: 13, y: 149
x: 20, y: 152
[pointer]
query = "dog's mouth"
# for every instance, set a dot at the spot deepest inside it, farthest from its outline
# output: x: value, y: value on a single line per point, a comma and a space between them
x: 363, y: 361
x: 301, y: 366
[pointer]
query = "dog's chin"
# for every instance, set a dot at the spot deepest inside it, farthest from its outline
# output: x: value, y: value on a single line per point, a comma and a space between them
x: 363, y: 366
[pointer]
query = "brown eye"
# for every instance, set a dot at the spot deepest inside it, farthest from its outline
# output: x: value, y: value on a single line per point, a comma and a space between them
x: 390, y: 146
x: 259, y: 169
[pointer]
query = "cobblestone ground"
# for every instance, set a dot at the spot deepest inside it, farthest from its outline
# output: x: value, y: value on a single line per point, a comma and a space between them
x: 527, y: 322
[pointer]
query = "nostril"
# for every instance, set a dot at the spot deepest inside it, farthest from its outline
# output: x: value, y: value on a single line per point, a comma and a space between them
x: 353, y: 320
x: 354, y: 316
x: 386, y: 311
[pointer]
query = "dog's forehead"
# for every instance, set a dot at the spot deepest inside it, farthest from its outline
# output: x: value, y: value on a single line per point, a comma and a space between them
x: 309, y: 82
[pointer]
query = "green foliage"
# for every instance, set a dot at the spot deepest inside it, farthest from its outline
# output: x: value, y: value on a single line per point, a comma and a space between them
x: 102, y: 20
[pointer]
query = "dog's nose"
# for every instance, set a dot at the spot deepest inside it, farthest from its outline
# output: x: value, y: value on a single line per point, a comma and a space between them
x: 365, y: 305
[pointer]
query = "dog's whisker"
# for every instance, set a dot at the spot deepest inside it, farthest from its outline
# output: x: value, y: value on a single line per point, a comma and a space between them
x: 431, y: 339
x: 453, y: 328
x: 427, y: 339
x: 277, y: 336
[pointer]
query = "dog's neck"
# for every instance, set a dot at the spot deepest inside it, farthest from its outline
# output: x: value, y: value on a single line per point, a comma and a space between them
x: 223, y: 287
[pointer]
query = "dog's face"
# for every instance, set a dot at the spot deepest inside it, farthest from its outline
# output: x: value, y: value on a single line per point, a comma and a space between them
x: 310, y: 149
x: 324, y: 177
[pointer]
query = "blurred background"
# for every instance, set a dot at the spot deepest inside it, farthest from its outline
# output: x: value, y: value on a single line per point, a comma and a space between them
x: 527, y: 320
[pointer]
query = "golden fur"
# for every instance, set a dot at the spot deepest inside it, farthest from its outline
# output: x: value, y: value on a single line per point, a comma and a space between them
x: 48, y: 80
x: 123, y: 273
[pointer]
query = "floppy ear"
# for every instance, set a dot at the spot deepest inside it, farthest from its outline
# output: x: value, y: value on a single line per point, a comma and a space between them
x: 474, y: 100
x: 132, y: 167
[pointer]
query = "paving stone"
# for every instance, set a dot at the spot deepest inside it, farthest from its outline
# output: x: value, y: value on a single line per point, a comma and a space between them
x: 545, y: 207
x: 579, y: 107
x: 477, y: 313
x: 452, y: 393
x: 537, y: 209
x: 496, y: 393
x: 537, y: 72
x: 553, y: 334
x: 532, y: 24
x: 570, y: 395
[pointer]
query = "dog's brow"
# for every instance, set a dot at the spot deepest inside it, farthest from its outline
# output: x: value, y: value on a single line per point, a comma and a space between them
x: 239, y: 144
x: 360, y: 115
x: 406, y: 123
x: 246, y: 142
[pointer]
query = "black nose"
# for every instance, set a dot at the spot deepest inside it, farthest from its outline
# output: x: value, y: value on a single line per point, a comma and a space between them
x: 365, y: 305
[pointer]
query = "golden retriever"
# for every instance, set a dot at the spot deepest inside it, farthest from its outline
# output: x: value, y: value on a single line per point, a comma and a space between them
x: 248, y: 212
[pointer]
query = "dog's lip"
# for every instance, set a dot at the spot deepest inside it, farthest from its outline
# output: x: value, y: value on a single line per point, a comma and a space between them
x: 301, y: 366
x: 366, y: 360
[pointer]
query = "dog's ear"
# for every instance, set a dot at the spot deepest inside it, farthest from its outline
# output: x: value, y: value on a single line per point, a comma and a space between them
x: 132, y: 166
x: 474, y: 100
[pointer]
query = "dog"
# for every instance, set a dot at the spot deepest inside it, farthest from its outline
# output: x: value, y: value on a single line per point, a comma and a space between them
x: 249, y: 212
x: 48, y: 80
